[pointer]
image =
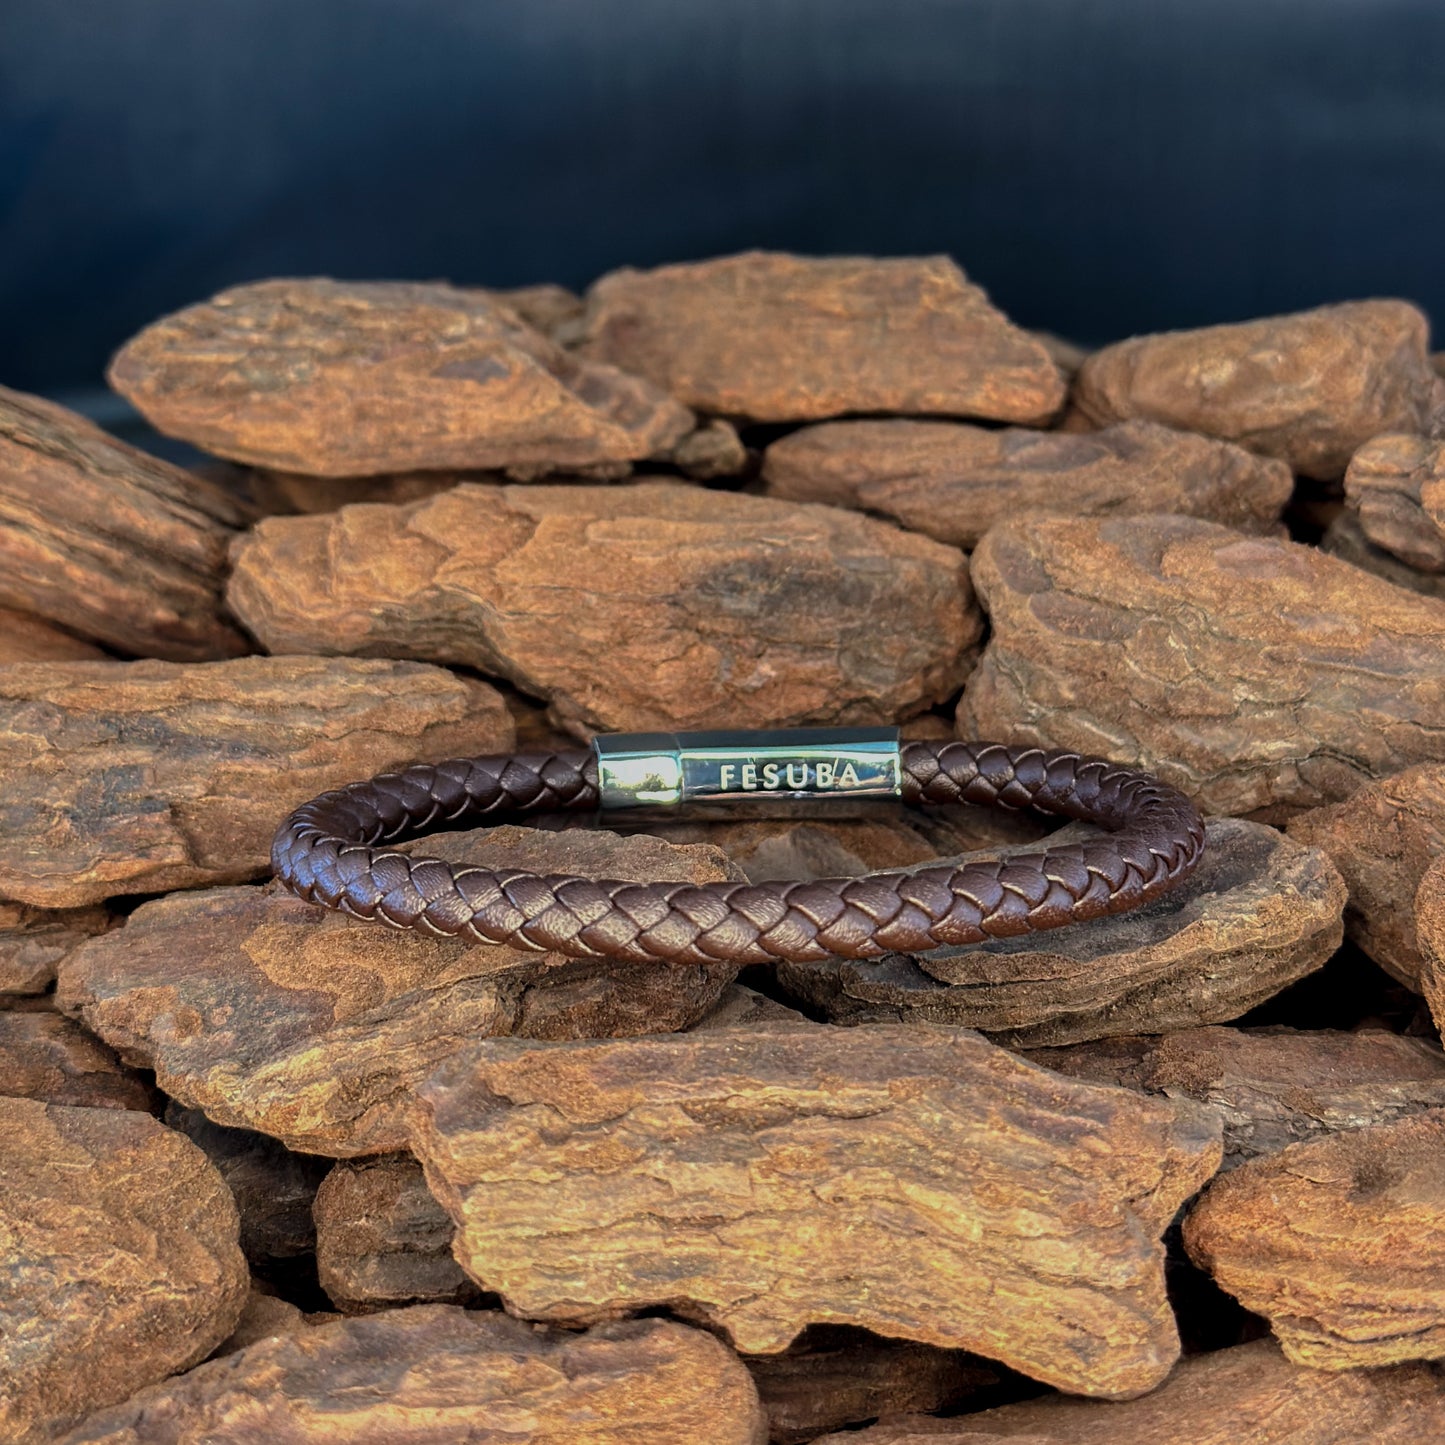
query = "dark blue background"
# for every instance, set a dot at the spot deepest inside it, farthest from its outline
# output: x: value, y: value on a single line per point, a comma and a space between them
x: 1103, y: 166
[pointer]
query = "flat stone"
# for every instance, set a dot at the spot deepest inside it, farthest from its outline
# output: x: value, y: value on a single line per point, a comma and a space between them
x: 1256, y: 675
x: 1430, y: 926
x: 790, y: 1175
x: 1310, y: 387
x: 1258, y: 913
x: 1345, y: 539
x: 653, y: 606
x: 26, y: 638
x: 121, y: 1261
x: 107, y: 542
x: 1396, y: 486
x: 133, y: 777
x: 1339, y: 1242
x: 275, y: 1015
x: 33, y: 941
x: 436, y: 1375
x: 45, y: 1056
x: 345, y: 378
x: 772, y: 337
x: 952, y: 481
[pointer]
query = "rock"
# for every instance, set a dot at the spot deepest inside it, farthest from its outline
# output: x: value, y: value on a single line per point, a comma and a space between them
x: 952, y: 481
x: 1273, y: 1086
x: 132, y: 777
x: 1251, y: 673
x: 771, y: 337
x: 1248, y: 1395
x: 274, y: 1015
x: 107, y: 542
x: 121, y: 1261
x: 382, y: 1240
x: 1310, y: 387
x: 1258, y: 913
x: 273, y: 1187
x: 292, y: 493
x: 1344, y: 539
x: 1382, y: 839
x: 1395, y: 485
x: 1339, y: 1241
x: 24, y: 638
x: 790, y: 1175
x: 714, y: 450
x: 1430, y: 927
x: 436, y: 1375
x: 643, y: 607
x: 263, y: 1318
x: 745, y: 1008
x: 33, y: 941
x: 47, y: 1057
x: 344, y: 378
x: 553, y: 310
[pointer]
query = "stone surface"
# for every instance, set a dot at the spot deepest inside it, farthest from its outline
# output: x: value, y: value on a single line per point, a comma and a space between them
x: 108, y: 542
x: 382, y: 1240
x: 132, y: 777
x: 263, y: 1317
x: 1396, y: 486
x: 1273, y: 1086
x: 119, y: 1241
x: 437, y: 1375
x: 1310, y: 387
x: 1258, y: 913
x: 342, y: 378
x: 26, y: 638
x: 652, y: 606
x: 274, y: 1015
x: 771, y: 337
x: 1344, y: 539
x: 1254, y: 674
x: 763, y: 1181
x: 1248, y: 1395
x: 290, y: 493
x: 1430, y: 922
x: 33, y: 941
x: 952, y: 481
x: 1339, y: 1242
x: 744, y: 1008
x: 46, y: 1056
x: 1382, y: 839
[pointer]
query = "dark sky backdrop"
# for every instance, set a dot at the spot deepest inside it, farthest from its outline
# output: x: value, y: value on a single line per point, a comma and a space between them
x: 1102, y: 166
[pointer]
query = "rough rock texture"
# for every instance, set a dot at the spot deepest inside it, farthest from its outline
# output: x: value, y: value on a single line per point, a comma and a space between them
x: 1340, y: 1242
x: 341, y: 378
x: 1249, y: 1395
x: 1309, y: 387
x: 108, y: 542
x: 792, y: 1175
x: 1430, y: 925
x: 46, y: 1056
x: 1396, y: 486
x: 1251, y: 673
x: 289, y: 493
x: 772, y: 337
x: 382, y: 1240
x: 553, y: 310
x: 119, y: 1241
x: 263, y: 1317
x: 629, y: 608
x: 744, y: 1008
x: 437, y: 1375
x: 1272, y: 1086
x: 274, y: 1015
x: 26, y: 638
x: 1382, y: 839
x: 1258, y: 913
x: 33, y: 941
x: 952, y: 481
x: 132, y: 777
x: 1344, y: 539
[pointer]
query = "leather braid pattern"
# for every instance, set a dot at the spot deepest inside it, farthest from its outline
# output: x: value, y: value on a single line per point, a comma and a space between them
x: 328, y: 852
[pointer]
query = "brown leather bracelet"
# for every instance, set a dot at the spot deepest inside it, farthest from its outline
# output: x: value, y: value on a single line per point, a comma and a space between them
x: 327, y: 851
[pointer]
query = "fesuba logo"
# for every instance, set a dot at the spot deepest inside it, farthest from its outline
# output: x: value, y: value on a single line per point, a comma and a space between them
x: 796, y: 777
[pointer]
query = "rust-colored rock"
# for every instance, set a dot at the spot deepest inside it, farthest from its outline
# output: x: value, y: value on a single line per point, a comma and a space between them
x: 1248, y: 1395
x: 291, y: 493
x: 952, y: 481
x: 26, y: 638
x: 263, y: 1317
x: 1382, y: 839
x: 1310, y: 387
x: 744, y: 1008
x: 1258, y: 913
x: 762, y: 1181
x: 107, y: 542
x: 1252, y: 673
x: 46, y: 1056
x: 33, y: 941
x: 1343, y: 538
x: 1396, y: 486
x: 1430, y: 926
x: 119, y: 1241
x: 553, y: 310
x: 1273, y: 1086
x: 343, y: 378
x: 436, y: 1375
x: 382, y: 1240
x: 771, y: 337
x: 274, y: 1015
x: 658, y: 605
x: 1339, y: 1241
x: 131, y: 777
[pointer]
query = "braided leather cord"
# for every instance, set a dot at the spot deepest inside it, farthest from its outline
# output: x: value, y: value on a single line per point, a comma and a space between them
x: 326, y: 852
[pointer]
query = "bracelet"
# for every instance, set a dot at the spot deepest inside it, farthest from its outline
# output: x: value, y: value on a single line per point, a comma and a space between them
x: 326, y: 851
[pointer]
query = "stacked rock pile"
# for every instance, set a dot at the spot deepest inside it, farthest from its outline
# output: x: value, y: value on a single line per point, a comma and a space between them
x: 271, y: 1174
